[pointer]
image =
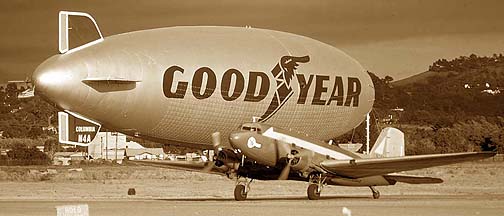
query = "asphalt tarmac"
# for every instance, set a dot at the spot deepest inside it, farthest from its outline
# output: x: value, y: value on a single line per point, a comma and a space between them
x: 266, y: 205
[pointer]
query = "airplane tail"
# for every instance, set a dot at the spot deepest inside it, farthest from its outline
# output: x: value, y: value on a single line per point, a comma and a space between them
x: 390, y: 143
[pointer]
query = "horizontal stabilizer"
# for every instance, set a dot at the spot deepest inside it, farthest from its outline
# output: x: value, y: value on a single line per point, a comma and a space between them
x: 413, y: 179
x: 364, y: 167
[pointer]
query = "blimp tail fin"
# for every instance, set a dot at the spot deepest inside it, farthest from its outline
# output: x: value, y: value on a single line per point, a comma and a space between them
x: 75, y: 129
x: 77, y: 30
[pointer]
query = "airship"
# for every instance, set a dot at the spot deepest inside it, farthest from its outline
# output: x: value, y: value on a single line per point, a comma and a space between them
x: 180, y: 84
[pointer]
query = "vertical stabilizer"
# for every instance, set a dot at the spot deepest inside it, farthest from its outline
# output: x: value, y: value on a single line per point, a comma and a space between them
x: 390, y: 143
x: 77, y: 30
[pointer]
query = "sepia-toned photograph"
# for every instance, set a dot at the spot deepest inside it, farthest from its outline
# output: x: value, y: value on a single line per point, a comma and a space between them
x: 260, y: 108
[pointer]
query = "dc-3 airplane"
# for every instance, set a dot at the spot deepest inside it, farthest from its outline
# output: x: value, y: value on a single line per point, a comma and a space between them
x: 191, y: 85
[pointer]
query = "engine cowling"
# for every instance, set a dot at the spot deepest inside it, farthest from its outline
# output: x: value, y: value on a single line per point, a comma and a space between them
x: 301, y: 160
x: 261, y: 149
x: 226, y: 156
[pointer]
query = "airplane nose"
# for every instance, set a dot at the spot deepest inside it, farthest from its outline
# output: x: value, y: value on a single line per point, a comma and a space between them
x: 236, y: 139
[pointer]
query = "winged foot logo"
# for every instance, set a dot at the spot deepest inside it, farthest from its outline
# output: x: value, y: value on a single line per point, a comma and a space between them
x: 283, y: 73
x: 204, y: 83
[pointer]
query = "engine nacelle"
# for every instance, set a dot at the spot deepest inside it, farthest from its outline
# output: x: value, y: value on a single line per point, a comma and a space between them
x: 302, y: 160
x: 226, y: 156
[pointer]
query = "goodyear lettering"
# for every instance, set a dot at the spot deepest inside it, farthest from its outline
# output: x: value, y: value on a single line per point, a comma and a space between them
x: 324, y: 90
x: 337, y: 92
x: 232, y: 85
x: 168, y: 81
x: 197, y: 83
x: 239, y: 81
x: 254, y: 94
x: 319, y: 89
x: 304, y: 86
x: 354, y: 90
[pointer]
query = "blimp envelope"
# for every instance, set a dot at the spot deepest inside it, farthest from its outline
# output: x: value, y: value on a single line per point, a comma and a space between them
x: 75, y: 129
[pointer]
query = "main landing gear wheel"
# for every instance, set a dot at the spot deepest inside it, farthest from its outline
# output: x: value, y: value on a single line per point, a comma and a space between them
x: 242, y: 188
x: 317, y: 181
x: 376, y: 193
x: 313, y: 192
x: 239, y: 193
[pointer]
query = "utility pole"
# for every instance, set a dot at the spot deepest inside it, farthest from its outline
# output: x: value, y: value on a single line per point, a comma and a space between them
x: 101, y: 147
x: 106, y: 145
x: 367, y: 133
x: 116, y: 146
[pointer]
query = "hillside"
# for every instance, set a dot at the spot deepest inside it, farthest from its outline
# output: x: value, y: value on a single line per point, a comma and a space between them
x: 457, y: 105
x: 458, y: 90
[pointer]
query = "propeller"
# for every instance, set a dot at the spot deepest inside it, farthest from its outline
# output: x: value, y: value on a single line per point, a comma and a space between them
x: 216, y: 142
x: 284, y: 174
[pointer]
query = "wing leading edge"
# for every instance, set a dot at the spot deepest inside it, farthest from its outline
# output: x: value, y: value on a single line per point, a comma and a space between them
x: 359, y: 168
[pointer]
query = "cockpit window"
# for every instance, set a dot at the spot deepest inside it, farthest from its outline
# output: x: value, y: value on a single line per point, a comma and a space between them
x: 247, y: 128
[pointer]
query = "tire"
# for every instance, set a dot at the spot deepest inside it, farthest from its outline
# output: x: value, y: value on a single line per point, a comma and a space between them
x: 239, y: 193
x: 376, y: 195
x: 313, y: 192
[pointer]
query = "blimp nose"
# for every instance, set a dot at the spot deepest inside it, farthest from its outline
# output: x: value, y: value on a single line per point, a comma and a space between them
x: 50, y: 77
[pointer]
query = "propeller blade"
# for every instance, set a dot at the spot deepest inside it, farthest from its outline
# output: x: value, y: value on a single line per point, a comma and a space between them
x: 216, y: 141
x: 209, y: 166
x: 284, y: 175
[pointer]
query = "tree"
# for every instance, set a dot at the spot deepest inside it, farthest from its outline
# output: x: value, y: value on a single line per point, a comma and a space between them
x: 51, y: 145
x: 22, y: 152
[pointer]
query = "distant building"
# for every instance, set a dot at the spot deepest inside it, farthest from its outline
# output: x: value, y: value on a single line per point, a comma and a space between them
x: 67, y: 158
x: 40, y: 148
x: 112, y: 154
x: 3, y: 152
x: 393, y: 116
x: 145, y: 154
x: 105, y: 143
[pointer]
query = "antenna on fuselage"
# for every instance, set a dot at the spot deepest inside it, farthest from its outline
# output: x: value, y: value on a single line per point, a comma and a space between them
x: 255, y: 119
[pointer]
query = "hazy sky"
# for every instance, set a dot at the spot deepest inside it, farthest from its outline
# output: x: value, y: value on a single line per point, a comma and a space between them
x: 398, y: 38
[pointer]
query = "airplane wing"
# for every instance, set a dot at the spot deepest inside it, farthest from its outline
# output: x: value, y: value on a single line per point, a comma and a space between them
x: 179, y: 165
x: 364, y: 167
